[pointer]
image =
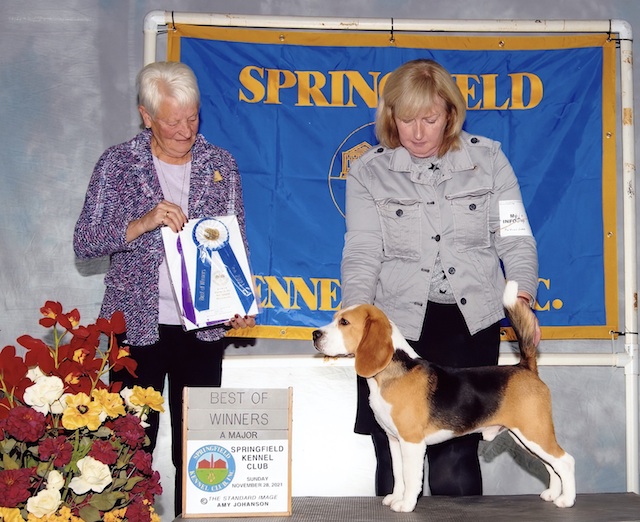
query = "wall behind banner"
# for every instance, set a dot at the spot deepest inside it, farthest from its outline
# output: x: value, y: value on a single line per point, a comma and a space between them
x: 67, y: 73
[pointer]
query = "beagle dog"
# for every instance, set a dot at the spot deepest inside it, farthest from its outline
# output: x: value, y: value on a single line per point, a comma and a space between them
x: 419, y: 403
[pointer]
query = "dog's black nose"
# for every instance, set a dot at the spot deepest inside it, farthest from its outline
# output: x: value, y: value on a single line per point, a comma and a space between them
x: 316, y: 334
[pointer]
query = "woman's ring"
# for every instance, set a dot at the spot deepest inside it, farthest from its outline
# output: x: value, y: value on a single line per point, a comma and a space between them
x: 166, y: 213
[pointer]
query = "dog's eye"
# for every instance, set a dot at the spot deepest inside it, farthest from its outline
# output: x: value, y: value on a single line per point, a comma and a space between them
x: 343, y: 322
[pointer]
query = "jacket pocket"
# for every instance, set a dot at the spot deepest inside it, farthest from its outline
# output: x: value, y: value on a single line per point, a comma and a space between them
x: 401, y: 228
x: 471, y: 219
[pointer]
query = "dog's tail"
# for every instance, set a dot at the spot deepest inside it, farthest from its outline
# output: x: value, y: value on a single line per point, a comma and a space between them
x: 523, y: 323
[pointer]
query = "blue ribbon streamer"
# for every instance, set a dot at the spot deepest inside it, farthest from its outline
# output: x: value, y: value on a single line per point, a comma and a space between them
x: 243, y: 290
x: 203, y: 271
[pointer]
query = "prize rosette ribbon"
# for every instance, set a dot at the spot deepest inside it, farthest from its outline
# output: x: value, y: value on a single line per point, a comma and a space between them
x: 211, y: 237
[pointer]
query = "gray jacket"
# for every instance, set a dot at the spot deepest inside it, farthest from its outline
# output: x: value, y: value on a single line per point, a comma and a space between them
x: 397, y: 224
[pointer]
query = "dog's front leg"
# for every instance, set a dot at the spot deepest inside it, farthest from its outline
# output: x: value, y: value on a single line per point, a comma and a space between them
x: 398, y: 478
x: 411, y: 469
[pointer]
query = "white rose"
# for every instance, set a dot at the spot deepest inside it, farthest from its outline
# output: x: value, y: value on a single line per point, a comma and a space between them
x: 46, y: 390
x: 35, y: 373
x: 46, y: 502
x: 57, y: 407
x: 94, y: 475
x: 55, y: 480
x: 143, y: 423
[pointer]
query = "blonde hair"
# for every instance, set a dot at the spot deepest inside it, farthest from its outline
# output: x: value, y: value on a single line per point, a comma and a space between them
x: 160, y: 80
x: 416, y: 87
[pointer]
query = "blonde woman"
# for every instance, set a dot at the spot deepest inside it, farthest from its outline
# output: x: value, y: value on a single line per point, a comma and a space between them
x: 435, y: 222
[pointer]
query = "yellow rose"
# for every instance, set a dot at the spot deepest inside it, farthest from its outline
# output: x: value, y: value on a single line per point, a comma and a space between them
x: 147, y: 397
x: 10, y: 515
x: 111, y: 403
x: 81, y: 411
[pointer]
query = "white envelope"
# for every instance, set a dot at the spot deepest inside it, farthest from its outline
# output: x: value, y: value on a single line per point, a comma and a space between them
x: 209, y: 271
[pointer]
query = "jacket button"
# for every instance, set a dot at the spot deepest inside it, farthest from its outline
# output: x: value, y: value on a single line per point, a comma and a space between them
x: 399, y: 212
x: 463, y: 301
x: 380, y: 150
x: 474, y: 140
x: 452, y: 270
x: 472, y: 206
x: 437, y: 237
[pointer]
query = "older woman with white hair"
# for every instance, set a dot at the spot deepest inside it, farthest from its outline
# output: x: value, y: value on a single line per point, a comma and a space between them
x: 162, y: 177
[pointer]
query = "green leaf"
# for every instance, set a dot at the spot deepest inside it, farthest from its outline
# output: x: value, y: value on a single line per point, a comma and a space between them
x: 119, y: 482
x: 33, y: 450
x: 85, y: 445
x: 43, y: 468
x: 78, y: 499
x: 9, y: 463
x: 7, y: 445
x: 132, y: 482
x: 103, y: 432
x: 105, y: 501
x: 122, y: 463
x: 90, y: 514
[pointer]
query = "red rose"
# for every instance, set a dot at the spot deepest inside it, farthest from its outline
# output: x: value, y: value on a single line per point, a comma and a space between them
x: 128, y: 428
x: 103, y: 451
x: 137, y: 511
x: 14, y: 486
x: 58, y: 447
x: 142, y: 460
x: 25, y: 424
x: 148, y: 488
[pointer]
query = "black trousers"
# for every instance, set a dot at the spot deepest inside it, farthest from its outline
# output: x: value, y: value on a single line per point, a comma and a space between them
x: 454, y: 468
x: 185, y: 361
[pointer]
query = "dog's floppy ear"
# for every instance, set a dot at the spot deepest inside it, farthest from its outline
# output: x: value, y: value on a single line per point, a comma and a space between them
x: 376, y: 348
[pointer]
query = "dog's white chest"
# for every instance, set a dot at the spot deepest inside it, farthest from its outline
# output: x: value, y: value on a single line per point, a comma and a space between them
x: 381, y: 408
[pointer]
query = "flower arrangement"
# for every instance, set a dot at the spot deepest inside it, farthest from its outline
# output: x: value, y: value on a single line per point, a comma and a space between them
x: 71, y: 445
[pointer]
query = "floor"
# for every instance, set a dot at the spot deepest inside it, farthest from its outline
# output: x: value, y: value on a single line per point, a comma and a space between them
x: 602, y: 507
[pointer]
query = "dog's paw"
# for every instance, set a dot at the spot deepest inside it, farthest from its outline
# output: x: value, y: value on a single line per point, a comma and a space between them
x: 555, y: 488
x: 390, y: 499
x: 565, y: 501
x: 549, y: 495
x: 403, y: 505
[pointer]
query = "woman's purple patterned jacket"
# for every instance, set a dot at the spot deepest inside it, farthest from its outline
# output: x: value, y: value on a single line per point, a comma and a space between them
x: 124, y: 186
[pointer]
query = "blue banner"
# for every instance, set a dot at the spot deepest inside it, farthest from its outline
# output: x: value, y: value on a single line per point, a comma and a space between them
x: 296, y: 109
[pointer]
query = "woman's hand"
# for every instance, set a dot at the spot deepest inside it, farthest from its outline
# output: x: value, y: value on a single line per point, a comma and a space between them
x: 163, y: 214
x: 237, y: 322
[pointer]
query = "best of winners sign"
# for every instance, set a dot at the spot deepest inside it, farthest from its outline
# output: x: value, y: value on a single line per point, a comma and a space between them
x: 237, y: 452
